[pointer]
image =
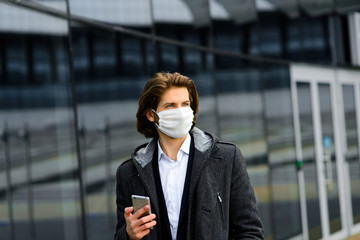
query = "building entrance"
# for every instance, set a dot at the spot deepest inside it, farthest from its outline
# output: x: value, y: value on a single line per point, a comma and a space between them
x: 326, y: 116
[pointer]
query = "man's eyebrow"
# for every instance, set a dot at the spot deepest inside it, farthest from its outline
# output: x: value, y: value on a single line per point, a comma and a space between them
x: 166, y: 103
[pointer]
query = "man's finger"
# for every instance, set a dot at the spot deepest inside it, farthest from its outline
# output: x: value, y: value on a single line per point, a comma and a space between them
x: 141, y: 211
x: 128, y: 211
x: 147, y: 219
x: 147, y: 225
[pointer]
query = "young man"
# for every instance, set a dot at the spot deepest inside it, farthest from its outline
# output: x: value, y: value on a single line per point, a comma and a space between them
x: 198, y: 186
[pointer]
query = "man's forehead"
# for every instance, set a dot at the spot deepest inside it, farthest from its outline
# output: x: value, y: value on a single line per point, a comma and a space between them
x: 175, y: 95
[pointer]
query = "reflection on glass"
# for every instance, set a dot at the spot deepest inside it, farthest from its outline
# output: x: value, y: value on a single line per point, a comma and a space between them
x: 107, y: 105
x: 16, y: 67
x: 240, y: 109
x: 228, y: 36
x: 306, y: 39
x: 134, y: 55
x: 315, y: 40
x: 134, y: 14
x: 199, y: 67
x: 182, y: 20
x: 308, y: 150
x: 41, y: 61
x: 352, y: 155
x: 58, y: 5
x: 270, y: 35
x: 170, y: 58
x: 286, y: 221
x: 2, y: 81
x: 330, y: 163
x: 104, y: 55
x: 6, y: 210
x: 36, y: 115
x: 294, y: 40
x: 81, y: 55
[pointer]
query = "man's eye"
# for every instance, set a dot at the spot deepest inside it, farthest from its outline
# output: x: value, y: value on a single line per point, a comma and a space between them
x: 169, y: 105
x: 186, y: 104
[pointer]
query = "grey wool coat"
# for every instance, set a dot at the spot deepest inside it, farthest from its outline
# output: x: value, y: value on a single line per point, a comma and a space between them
x: 221, y: 203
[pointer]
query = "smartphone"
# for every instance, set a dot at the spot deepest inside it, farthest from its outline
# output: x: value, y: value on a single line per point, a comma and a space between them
x: 139, y: 202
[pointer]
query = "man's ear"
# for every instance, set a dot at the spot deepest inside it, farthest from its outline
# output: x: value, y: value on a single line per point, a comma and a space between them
x: 150, y: 116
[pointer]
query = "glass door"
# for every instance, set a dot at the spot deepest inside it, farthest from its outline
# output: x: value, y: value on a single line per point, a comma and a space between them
x: 319, y: 152
x: 350, y: 96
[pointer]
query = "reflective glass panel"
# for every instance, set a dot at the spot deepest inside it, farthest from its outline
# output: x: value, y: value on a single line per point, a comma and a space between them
x: 286, y: 219
x: 240, y: 107
x: 352, y: 155
x: 271, y: 30
x: 182, y: 20
x: 39, y: 188
x: 235, y: 26
x: 135, y: 14
x: 57, y: 5
x: 294, y: 40
x: 329, y: 157
x: 308, y: 151
x: 110, y: 72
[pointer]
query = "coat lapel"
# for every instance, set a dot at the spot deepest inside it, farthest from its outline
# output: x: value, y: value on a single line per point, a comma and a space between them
x: 199, y: 162
x: 206, y: 177
x: 147, y: 177
x: 202, y: 159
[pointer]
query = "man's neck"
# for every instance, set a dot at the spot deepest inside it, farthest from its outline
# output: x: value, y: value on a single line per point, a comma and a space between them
x: 171, y: 146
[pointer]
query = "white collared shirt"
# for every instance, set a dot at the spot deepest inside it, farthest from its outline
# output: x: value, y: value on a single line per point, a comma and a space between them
x: 172, y: 175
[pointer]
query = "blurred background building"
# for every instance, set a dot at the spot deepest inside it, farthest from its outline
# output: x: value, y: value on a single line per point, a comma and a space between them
x: 280, y: 78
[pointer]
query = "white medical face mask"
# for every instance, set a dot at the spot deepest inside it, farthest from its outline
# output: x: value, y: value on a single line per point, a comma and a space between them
x: 175, y: 123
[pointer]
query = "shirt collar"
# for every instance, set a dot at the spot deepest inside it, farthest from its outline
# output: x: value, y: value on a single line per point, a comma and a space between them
x: 185, y: 147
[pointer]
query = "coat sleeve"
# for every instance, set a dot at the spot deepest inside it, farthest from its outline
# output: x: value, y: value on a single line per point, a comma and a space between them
x: 121, y: 203
x: 245, y: 221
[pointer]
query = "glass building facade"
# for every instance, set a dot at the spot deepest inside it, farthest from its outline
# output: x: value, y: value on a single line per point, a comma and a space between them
x: 71, y: 73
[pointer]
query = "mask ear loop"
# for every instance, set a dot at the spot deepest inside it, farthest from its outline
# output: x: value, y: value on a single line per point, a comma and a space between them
x: 156, y: 118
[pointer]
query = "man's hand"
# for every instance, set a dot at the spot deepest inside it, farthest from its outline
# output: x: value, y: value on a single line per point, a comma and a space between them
x: 137, y: 227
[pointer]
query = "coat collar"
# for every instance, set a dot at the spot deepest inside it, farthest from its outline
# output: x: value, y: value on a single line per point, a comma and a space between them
x: 203, y: 143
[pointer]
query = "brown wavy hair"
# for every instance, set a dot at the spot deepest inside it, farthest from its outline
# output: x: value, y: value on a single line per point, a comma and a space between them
x: 151, y: 96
